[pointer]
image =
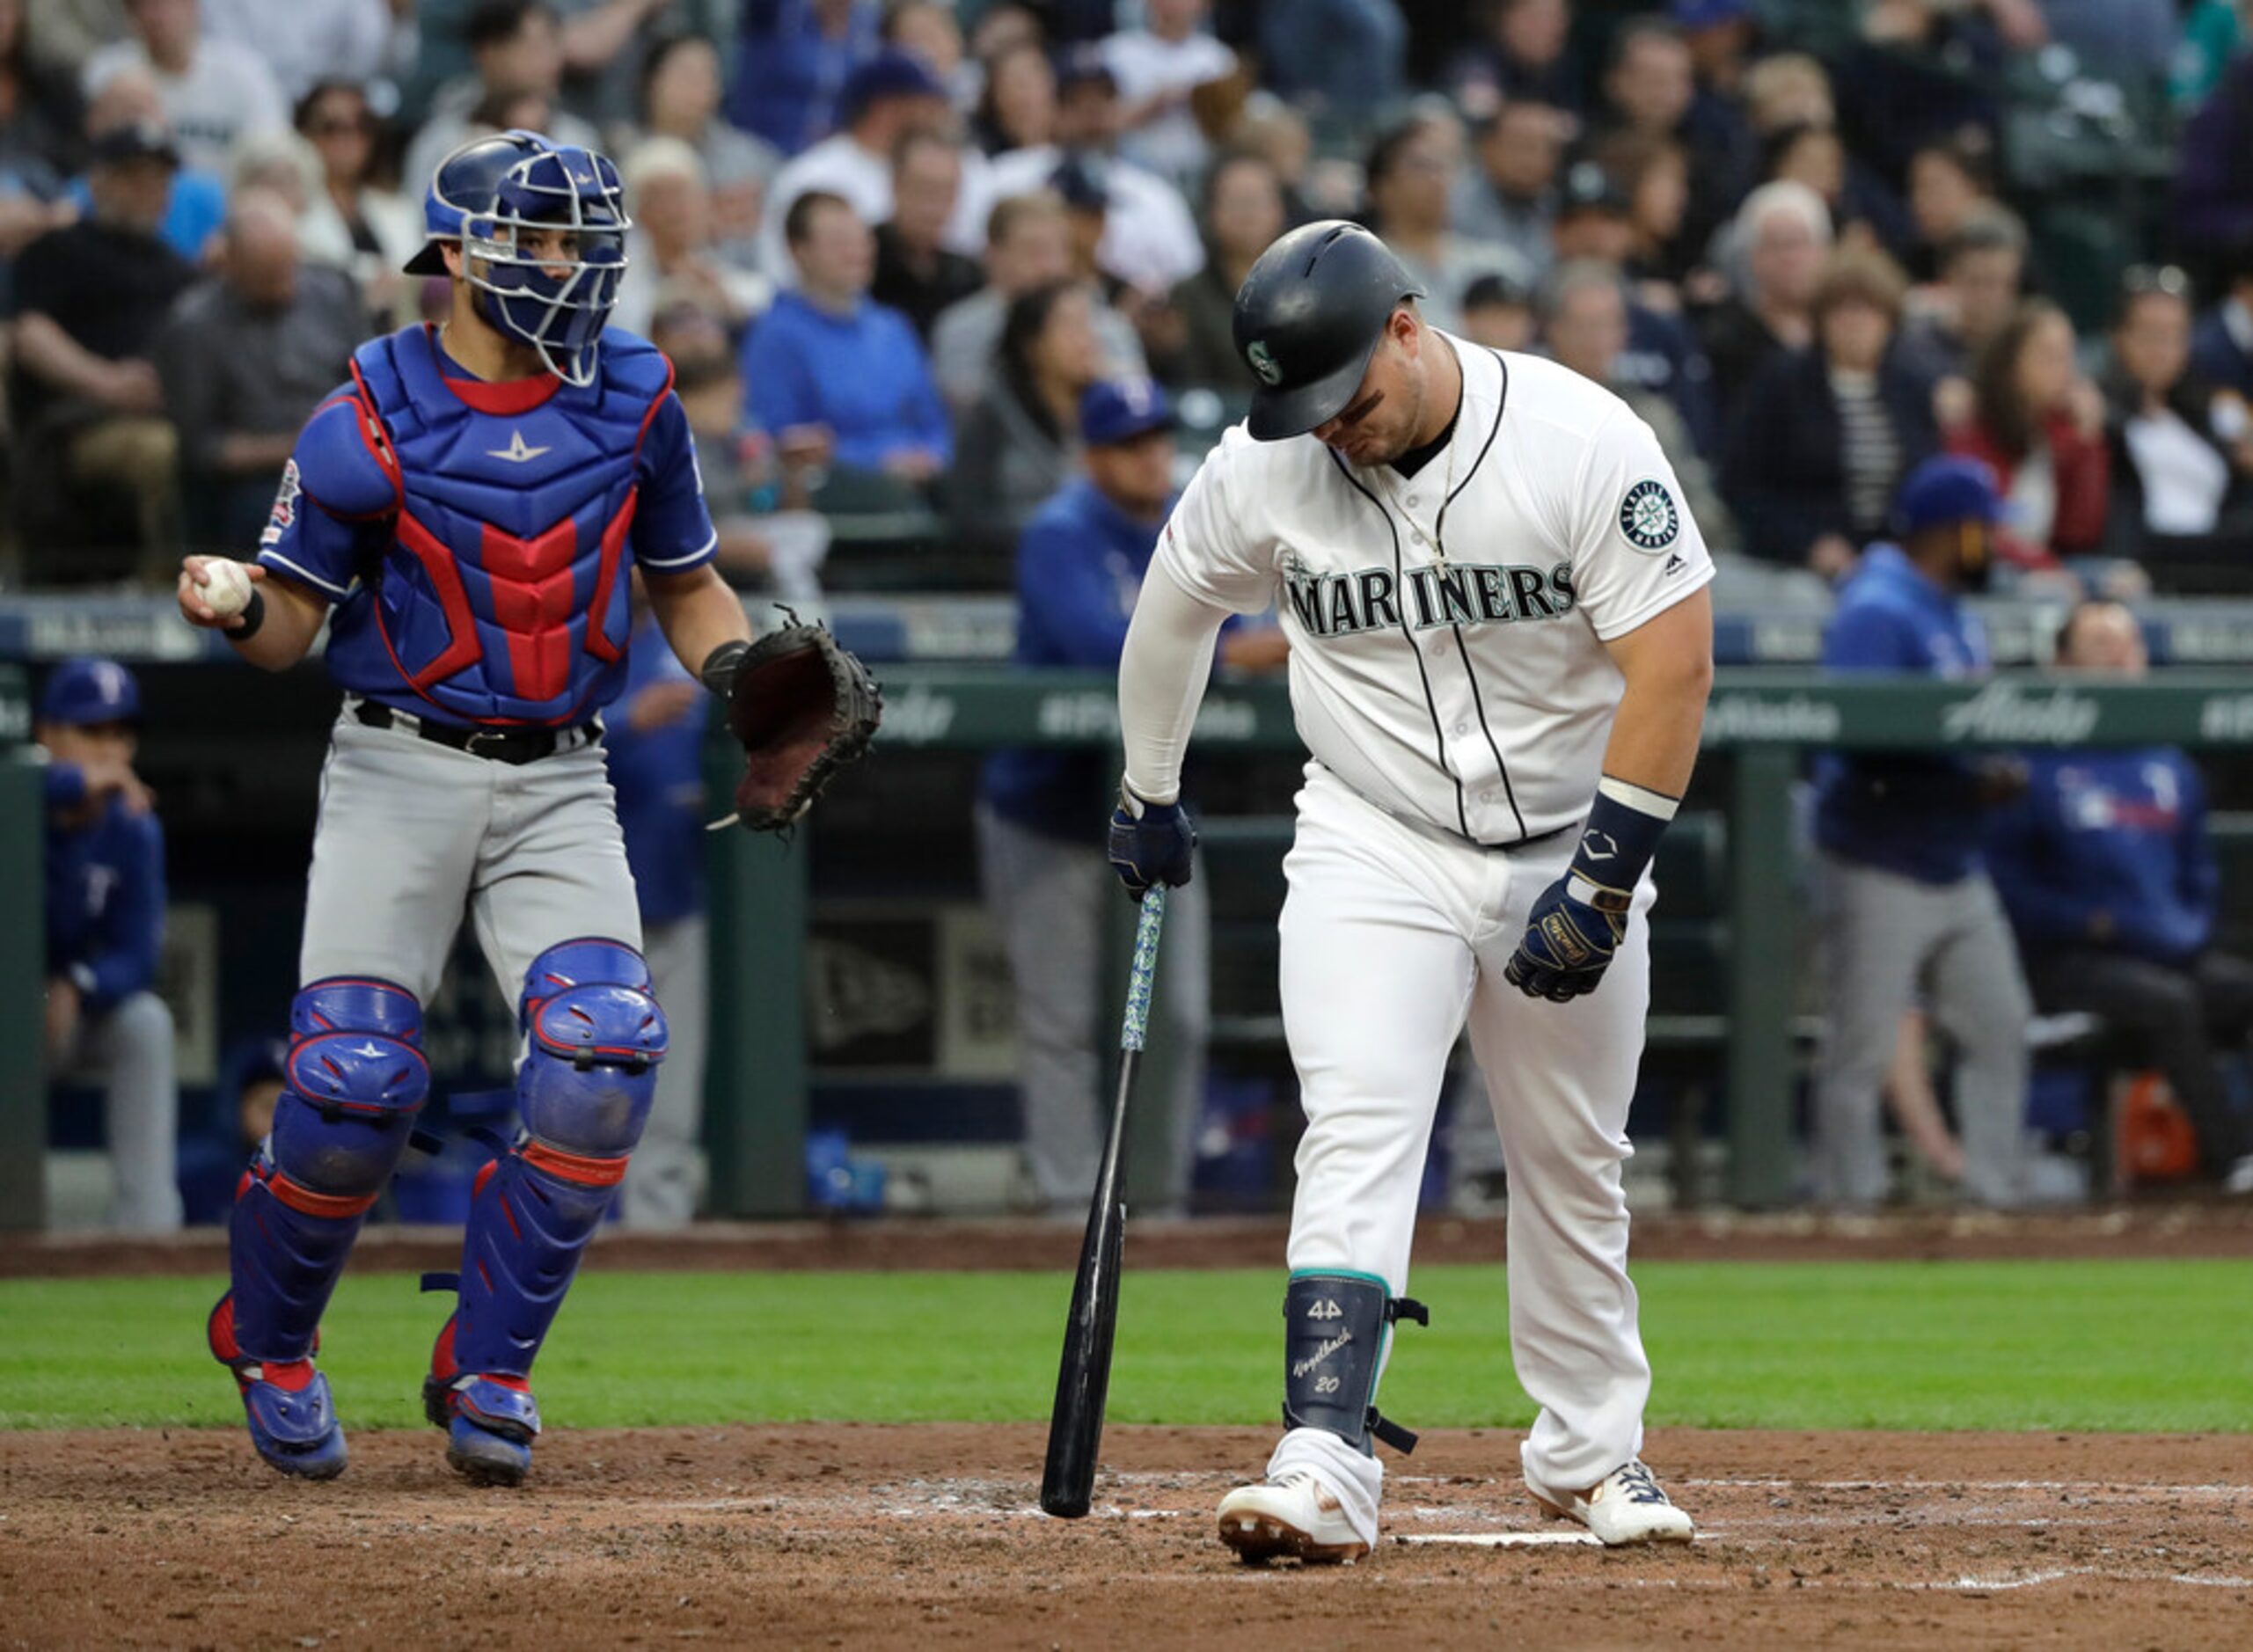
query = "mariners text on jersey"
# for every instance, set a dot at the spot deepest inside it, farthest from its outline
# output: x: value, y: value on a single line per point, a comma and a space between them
x: 1457, y: 594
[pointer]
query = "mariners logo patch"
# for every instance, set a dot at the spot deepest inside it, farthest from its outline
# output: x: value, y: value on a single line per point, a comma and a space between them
x: 1648, y: 517
x: 1263, y: 362
x: 285, y: 507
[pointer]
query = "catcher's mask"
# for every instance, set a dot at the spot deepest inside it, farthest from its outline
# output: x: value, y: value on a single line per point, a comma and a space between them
x: 487, y: 195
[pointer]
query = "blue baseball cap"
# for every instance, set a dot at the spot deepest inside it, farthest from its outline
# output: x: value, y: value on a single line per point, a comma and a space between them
x: 1112, y: 411
x: 888, y: 74
x: 1707, y: 14
x: 1947, y: 490
x: 85, y: 690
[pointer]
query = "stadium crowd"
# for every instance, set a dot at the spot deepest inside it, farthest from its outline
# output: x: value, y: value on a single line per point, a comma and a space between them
x: 892, y: 249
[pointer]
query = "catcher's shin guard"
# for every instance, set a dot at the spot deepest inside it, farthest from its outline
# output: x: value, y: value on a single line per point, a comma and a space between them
x: 1335, y: 1327
x: 594, y: 1037
x: 355, y: 1079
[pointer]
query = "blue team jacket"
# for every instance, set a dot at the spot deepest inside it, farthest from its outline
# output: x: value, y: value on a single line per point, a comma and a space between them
x: 658, y: 777
x: 1914, y: 814
x: 2120, y: 832
x: 1080, y: 563
x: 104, y: 896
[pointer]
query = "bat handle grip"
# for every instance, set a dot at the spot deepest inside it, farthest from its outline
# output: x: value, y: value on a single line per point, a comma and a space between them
x: 1152, y: 919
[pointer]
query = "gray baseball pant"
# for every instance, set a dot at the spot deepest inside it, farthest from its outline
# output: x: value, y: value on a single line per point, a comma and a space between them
x: 661, y: 1184
x: 128, y: 1049
x: 1049, y: 897
x: 1887, y: 937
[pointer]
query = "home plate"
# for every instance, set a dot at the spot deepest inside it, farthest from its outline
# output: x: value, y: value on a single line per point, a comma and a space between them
x: 1500, y: 1539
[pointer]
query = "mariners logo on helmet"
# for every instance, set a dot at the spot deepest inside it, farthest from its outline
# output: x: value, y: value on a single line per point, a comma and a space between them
x: 1264, y: 363
x: 1648, y: 516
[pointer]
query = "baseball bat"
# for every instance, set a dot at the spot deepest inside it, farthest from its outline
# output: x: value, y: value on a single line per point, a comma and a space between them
x: 1083, y: 1376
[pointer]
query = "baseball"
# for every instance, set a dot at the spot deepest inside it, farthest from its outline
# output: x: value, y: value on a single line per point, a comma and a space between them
x: 225, y: 587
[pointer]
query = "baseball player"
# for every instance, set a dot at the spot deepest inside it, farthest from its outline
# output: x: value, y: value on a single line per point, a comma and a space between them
x: 464, y: 515
x: 1501, y: 648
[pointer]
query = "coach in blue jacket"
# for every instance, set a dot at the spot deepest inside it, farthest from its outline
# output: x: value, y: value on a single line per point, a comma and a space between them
x: 2111, y: 884
x: 1899, y: 833
x: 1080, y: 562
x: 105, y: 925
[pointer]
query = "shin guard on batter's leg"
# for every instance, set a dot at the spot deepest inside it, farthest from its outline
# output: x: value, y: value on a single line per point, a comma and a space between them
x: 1334, y: 1330
x: 355, y: 1077
x: 594, y: 1036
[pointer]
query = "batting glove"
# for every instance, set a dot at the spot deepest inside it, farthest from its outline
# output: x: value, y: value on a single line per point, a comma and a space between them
x: 1151, y: 847
x: 1574, y: 929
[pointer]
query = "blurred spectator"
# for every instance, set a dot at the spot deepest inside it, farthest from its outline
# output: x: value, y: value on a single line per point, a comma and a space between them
x: 194, y: 202
x: 887, y: 97
x: 2211, y: 34
x: 1080, y: 566
x: 1243, y: 215
x: 104, y: 872
x: 1022, y: 441
x: 1029, y: 244
x: 1157, y: 67
x: 1335, y: 58
x: 1411, y: 174
x: 2181, y: 448
x: 654, y: 739
x: 1498, y: 315
x: 68, y: 32
x: 2040, y: 425
x: 1018, y: 107
x: 1523, y: 55
x: 352, y: 222
x: 1982, y: 267
x: 927, y: 30
x: 1661, y: 353
x: 1951, y: 185
x: 1654, y: 175
x: 515, y: 49
x: 1272, y: 129
x: 1650, y: 89
x: 307, y: 42
x: 1509, y: 195
x: 1816, y: 156
x: 246, y: 357
x: 214, y: 91
x: 88, y: 300
x: 605, y: 46
x: 2222, y: 344
x: 827, y: 370
x: 41, y: 143
x: 1905, y: 896
x: 1925, y: 67
x: 1785, y: 235
x: 2108, y: 871
x: 1721, y: 35
x: 793, y: 59
x: 917, y: 274
x: 1790, y: 90
x: 1150, y: 240
x: 1584, y: 325
x: 1824, y: 435
x: 680, y: 98
x: 671, y: 251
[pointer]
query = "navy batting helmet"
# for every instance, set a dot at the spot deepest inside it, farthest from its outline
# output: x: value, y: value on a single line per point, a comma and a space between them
x: 1308, y: 317
x: 491, y: 189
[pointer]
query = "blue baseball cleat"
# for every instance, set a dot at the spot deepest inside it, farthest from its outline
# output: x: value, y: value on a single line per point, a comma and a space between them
x: 490, y: 1421
x: 293, y: 1423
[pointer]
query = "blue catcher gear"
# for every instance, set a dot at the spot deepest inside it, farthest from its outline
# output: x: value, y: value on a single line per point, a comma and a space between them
x: 494, y: 192
x: 594, y: 1037
x: 354, y: 1079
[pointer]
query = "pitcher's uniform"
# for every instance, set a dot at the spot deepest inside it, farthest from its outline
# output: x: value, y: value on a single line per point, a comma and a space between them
x: 1449, y: 676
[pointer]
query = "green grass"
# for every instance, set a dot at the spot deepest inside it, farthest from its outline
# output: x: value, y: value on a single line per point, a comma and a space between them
x: 2127, y: 1345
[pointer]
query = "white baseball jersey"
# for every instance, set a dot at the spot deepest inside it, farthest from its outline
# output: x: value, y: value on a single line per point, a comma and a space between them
x: 1447, y: 629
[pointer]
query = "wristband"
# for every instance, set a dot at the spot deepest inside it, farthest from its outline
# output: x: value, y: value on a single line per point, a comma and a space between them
x: 718, y: 672
x: 253, y: 615
x: 1625, y: 824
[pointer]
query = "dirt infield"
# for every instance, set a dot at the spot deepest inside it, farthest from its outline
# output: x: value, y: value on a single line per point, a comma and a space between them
x: 2187, y: 1228
x: 839, y: 1535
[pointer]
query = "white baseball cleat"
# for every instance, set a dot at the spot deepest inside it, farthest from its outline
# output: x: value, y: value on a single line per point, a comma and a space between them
x: 1296, y: 1517
x: 1627, y: 1506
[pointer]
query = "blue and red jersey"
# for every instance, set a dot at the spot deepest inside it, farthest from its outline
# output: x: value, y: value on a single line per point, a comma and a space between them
x: 476, y: 536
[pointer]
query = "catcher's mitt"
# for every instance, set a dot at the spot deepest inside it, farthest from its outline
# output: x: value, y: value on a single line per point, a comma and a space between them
x: 803, y: 708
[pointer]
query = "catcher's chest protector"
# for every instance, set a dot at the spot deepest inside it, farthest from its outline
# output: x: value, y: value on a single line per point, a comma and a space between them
x: 502, y: 595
